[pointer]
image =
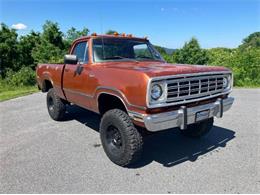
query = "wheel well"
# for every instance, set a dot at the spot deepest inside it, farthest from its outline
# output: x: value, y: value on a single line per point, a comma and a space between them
x: 46, y: 85
x: 107, y: 102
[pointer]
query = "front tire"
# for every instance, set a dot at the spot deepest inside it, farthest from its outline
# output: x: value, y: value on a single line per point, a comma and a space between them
x: 121, y: 141
x: 56, y: 106
x: 198, y: 129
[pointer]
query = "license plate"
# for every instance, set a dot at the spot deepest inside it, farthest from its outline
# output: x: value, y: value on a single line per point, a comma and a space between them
x: 202, y: 115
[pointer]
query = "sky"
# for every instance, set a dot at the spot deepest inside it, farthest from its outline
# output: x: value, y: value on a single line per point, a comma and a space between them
x: 215, y: 23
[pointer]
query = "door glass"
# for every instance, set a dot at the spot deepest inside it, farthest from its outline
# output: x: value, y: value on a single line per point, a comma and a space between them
x: 81, y: 51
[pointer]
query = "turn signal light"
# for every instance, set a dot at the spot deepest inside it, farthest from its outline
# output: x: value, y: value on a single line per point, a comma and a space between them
x: 116, y: 33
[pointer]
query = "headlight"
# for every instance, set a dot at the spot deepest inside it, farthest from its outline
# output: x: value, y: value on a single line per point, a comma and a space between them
x: 225, y: 82
x: 156, y: 92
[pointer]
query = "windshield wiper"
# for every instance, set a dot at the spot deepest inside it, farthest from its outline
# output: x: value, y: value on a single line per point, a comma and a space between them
x: 119, y: 57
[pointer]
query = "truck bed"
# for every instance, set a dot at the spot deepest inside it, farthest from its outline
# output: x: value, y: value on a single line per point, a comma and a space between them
x: 52, y: 73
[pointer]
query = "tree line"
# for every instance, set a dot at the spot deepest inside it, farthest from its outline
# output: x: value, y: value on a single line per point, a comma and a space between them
x: 21, y: 54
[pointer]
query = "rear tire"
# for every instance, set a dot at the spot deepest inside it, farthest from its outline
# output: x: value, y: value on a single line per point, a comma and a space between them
x: 121, y: 141
x: 56, y: 106
x: 198, y: 129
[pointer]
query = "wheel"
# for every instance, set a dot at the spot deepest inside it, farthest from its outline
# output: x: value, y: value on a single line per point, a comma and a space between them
x: 56, y: 106
x: 198, y: 129
x: 121, y: 141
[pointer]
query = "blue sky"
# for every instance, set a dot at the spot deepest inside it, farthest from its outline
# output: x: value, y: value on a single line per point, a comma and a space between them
x: 167, y: 23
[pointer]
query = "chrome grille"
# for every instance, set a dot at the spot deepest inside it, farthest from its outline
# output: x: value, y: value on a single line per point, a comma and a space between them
x: 193, y: 87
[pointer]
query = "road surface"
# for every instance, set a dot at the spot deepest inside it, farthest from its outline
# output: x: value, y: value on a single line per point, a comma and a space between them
x: 39, y: 155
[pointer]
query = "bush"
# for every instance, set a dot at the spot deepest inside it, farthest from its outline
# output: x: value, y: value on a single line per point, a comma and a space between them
x: 24, y: 77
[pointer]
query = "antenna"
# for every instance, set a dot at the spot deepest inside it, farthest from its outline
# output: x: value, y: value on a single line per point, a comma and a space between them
x: 102, y: 38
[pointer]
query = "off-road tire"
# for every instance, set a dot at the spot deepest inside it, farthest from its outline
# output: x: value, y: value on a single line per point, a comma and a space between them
x: 131, y: 140
x: 199, y: 129
x: 56, y: 106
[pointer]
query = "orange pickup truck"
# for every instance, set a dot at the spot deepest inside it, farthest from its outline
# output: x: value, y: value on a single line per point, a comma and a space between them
x: 126, y: 81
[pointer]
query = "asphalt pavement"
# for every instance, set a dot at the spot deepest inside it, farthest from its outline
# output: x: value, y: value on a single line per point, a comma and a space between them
x: 39, y: 155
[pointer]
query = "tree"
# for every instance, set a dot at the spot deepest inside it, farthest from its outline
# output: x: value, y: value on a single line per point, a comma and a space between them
x: 52, y: 34
x: 245, y: 66
x: 8, y: 49
x: 51, y: 47
x: 25, y: 47
x: 73, y: 34
x: 219, y: 56
x: 111, y: 32
x: 252, y: 41
x: 160, y: 49
x: 191, y: 53
x: 46, y: 52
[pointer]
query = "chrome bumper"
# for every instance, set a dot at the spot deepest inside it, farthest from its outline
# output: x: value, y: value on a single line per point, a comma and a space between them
x: 184, y: 116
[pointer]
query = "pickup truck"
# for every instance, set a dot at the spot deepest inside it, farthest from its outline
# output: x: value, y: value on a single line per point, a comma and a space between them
x: 125, y: 80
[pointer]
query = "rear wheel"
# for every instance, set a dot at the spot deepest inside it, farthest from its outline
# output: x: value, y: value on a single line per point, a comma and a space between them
x: 56, y: 106
x: 121, y: 141
x: 198, y: 129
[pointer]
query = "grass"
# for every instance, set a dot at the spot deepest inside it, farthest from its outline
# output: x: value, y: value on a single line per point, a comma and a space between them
x: 10, y: 93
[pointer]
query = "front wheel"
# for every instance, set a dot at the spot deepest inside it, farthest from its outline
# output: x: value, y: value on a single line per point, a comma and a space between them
x: 121, y: 141
x: 198, y: 129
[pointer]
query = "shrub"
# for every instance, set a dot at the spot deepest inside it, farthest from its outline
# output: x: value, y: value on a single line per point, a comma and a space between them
x: 24, y: 77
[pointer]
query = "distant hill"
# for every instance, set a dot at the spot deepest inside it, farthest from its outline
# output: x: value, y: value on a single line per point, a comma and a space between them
x: 164, y: 49
x: 168, y: 50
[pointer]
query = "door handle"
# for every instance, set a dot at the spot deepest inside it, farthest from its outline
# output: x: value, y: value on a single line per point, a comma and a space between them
x: 91, y: 75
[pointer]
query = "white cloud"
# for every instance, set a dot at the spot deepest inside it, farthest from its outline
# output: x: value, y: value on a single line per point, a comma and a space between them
x: 162, y: 9
x: 19, y: 26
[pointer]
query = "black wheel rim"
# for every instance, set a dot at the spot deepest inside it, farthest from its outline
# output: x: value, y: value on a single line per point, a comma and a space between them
x: 114, y: 139
x: 50, y: 104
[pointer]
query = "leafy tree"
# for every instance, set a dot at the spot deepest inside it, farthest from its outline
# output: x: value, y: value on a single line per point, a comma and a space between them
x: 219, y: 56
x: 52, y: 34
x: 73, y: 34
x: 8, y: 49
x: 191, y: 53
x: 246, y: 67
x: 252, y: 41
x: 110, y: 32
x: 25, y: 47
x: 160, y: 49
x: 46, y: 52
x: 51, y: 47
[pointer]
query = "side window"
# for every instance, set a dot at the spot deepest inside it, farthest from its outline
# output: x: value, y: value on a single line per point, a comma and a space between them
x: 81, y: 51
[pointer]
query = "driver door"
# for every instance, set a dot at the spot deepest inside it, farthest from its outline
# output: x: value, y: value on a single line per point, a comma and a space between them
x: 75, y: 76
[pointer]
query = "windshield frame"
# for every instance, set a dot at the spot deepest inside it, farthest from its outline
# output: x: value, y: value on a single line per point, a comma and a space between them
x: 151, y: 48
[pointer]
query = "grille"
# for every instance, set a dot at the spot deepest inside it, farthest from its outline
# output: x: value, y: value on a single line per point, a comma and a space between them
x: 194, y: 87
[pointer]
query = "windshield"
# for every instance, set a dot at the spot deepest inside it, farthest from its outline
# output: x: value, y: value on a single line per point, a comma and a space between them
x: 123, y: 49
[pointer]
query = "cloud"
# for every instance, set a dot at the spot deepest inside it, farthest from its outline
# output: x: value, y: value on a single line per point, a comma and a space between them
x: 19, y: 26
x: 162, y: 9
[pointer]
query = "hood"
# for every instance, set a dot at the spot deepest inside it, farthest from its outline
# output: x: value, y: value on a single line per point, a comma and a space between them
x: 154, y: 69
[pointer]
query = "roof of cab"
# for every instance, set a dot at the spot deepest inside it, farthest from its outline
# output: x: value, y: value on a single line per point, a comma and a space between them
x: 110, y: 36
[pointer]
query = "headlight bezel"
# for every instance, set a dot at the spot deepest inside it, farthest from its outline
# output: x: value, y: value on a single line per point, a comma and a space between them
x: 163, y: 96
x: 154, y: 93
x: 229, y: 78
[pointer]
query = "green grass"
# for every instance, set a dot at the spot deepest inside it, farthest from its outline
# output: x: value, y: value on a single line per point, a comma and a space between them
x: 7, y: 93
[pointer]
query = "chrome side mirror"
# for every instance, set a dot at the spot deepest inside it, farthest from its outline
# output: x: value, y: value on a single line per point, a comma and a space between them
x: 70, y: 59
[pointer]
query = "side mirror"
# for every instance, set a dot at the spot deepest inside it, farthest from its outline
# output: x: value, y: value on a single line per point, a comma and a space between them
x: 70, y: 59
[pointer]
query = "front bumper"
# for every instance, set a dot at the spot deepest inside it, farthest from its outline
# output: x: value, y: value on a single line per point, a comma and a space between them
x: 184, y: 116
